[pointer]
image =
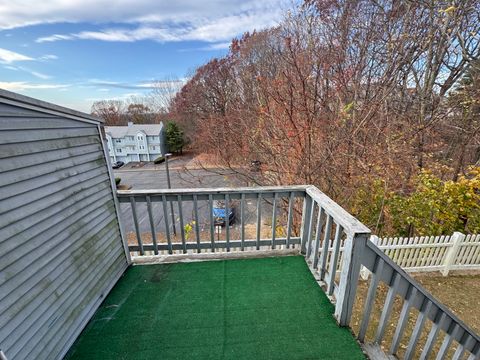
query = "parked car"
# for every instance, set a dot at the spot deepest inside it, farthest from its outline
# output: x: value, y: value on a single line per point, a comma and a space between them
x: 118, y: 164
x: 219, y: 213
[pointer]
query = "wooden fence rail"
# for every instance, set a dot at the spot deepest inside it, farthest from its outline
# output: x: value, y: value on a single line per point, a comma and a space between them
x: 433, y: 253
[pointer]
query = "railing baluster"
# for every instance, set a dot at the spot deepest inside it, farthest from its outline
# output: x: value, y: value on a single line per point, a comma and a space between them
x: 334, y: 258
x: 309, y: 246
x: 372, y: 290
x: 182, y: 226
x: 318, y: 234
x: 309, y: 231
x: 403, y: 319
x: 447, y: 341
x: 432, y: 336
x: 291, y: 202
x: 167, y: 226
x: 274, y: 219
x: 387, y: 308
x: 197, y: 226
x: 259, y: 218
x: 417, y: 330
x: 242, y: 222
x: 135, y: 222
x: 475, y: 352
x: 152, y: 225
x: 459, y: 352
x: 212, y: 222
x: 227, y: 221
x: 306, y: 220
x: 326, y: 243
x: 472, y: 357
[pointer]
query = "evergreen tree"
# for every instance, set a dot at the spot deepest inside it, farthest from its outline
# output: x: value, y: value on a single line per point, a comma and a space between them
x: 174, y: 137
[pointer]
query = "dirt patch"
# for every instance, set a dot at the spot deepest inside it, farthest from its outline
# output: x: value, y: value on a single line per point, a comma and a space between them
x: 460, y: 292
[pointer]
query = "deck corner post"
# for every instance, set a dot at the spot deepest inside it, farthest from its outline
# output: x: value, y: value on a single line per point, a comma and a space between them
x: 449, y: 260
x: 364, y: 272
x: 306, y: 219
x: 354, y: 247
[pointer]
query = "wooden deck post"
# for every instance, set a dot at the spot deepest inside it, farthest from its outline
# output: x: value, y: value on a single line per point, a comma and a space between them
x: 354, y: 247
x: 364, y: 272
x: 457, y: 239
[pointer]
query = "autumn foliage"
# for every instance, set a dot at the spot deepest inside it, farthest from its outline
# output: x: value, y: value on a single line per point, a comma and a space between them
x: 345, y: 95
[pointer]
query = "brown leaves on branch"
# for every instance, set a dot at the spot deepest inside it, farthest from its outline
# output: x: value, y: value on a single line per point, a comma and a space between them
x: 340, y: 94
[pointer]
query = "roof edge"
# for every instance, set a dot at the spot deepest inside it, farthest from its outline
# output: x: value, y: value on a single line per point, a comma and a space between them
x: 12, y: 98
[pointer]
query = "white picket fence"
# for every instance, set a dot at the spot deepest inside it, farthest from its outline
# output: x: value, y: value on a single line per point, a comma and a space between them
x: 433, y: 253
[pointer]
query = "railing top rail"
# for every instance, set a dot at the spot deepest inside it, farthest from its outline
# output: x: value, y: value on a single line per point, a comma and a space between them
x: 219, y: 190
x: 421, y: 289
x: 341, y: 216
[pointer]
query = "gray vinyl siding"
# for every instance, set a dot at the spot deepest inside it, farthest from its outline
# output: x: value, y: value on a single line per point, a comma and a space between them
x: 60, y: 244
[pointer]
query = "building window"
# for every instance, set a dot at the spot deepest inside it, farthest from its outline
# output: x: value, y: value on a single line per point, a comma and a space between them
x: 119, y: 150
x: 153, y: 147
x: 118, y: 140
x: 141, y: 147
x: 139, y: 137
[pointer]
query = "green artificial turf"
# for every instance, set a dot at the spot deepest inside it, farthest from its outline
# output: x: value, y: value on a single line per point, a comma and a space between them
x: 268, y: 308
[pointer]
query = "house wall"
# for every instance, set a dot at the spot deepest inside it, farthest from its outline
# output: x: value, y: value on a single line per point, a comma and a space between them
x: 61, y: 249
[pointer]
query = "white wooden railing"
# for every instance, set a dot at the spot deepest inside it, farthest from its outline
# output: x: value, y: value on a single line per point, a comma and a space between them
x: 335, y: 245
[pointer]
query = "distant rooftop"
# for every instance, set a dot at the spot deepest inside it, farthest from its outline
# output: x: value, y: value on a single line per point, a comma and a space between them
x: 132, y: 129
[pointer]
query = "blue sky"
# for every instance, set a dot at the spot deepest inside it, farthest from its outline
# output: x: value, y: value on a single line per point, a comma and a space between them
x: 73, y: 52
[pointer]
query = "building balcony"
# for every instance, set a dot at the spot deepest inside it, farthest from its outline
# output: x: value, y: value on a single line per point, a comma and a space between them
x: 89, y: 272
x: 279, y: 282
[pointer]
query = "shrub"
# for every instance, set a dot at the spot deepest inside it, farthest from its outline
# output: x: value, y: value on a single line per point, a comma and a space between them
x: 117, y: 181
x: 159, y: 160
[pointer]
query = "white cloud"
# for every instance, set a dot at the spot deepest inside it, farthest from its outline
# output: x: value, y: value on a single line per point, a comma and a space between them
x: 40, y: 75
x: 9, y: 57
x: 23, y: 85
x: 217, y: 46
x: 181, y: 20
x: 27, y: 70
x: 16, y: 14
x: 48, y: 57
x: 54, y: 37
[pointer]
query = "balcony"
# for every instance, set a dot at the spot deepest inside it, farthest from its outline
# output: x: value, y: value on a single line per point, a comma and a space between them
x: 89, y: 272
x: 285, y: 288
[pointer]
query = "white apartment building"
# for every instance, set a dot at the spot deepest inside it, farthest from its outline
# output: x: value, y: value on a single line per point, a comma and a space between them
x: 135, y: 142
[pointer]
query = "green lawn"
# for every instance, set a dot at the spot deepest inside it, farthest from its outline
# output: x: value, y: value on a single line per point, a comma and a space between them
x: 267, y: 308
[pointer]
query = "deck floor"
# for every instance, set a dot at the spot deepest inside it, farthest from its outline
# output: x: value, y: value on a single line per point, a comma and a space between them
x: 268, y: 308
